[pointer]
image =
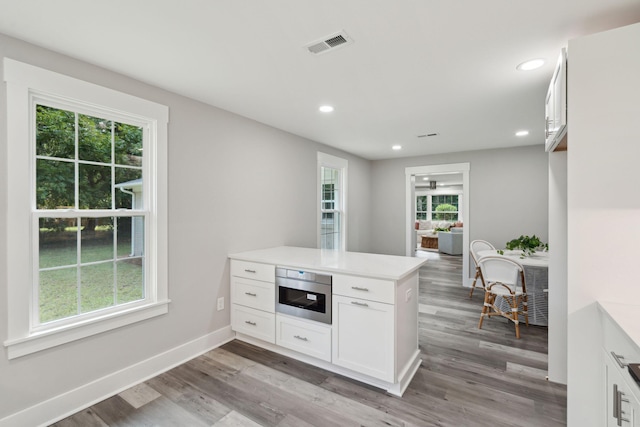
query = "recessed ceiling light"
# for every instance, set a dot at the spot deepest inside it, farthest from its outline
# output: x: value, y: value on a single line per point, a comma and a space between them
x: 532, y: 64
x: 397, y: 147
x: 426, y: 178
x: 522, y: 133
x: 326, y: 108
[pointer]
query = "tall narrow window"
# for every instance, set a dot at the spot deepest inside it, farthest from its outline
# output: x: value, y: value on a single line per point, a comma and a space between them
x: 87, y: 208
x: 332, y: 179
x: 90, y: 235
x: 422, y: 211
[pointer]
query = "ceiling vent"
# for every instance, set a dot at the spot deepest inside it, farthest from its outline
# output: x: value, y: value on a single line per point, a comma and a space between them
x: 330, y: 42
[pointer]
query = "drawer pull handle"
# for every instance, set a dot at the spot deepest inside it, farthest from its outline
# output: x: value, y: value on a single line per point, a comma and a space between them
x: 614, y: 406
x: 362, y: 304
x: 619, y: 359
x: 301, y: 338
x: 620, y: 411
x: 251, y: 294
x: 358, y: 288
x: 246, y: 270
x: 249, y: 322
x: 617, y: 405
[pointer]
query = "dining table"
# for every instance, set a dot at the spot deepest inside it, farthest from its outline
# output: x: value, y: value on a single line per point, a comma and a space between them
x: 536, y: 276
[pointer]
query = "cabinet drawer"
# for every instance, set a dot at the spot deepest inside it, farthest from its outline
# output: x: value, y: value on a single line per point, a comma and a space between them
x: 304, y: 337
x: 253, y: 270
x: 253, y: 293
x: 365, y: 288
x: 256, y: 323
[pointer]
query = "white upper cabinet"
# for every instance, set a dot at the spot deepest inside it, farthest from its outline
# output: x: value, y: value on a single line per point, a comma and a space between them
x: 556, y: 107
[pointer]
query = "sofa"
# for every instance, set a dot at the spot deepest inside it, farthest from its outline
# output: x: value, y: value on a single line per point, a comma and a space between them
x: 450, y: 242
x: 428, y: 227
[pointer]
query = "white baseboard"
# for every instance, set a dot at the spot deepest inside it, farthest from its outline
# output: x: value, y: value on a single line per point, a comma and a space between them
x: 63, y: 405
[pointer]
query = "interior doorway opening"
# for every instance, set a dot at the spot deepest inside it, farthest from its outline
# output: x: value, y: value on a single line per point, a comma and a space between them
x: 438, y: 194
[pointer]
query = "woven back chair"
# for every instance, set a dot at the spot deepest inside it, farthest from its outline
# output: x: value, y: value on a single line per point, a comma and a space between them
x: 504, y: 278
x: 475, y: 247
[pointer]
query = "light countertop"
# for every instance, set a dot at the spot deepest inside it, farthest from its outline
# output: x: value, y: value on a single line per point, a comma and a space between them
x: 391, y: 267
x: 627, y: 316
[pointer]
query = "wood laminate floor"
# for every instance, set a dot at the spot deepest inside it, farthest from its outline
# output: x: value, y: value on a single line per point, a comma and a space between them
x: 468, y: 377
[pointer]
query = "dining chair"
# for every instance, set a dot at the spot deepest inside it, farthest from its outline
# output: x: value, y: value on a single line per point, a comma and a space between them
x: 477, y: 246
x: 504, y: 278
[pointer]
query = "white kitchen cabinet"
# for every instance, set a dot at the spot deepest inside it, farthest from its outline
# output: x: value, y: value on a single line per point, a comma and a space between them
x: 621, y: 405
x: 556, y: 107
x: 252, y: 322
x: 365, y: 288
x: 373, y: 335
x: 304, y: 336
x: 253, y: 270
x: 253, y: 299
x: 253, y: 293
x: 375, y: 325
x: 619, y: 400
x: 363, y: 338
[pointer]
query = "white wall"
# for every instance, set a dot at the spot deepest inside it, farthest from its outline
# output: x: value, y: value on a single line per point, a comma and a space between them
x: 557, y: 337
x: 603, y: 203
x: 234, y: 185
x: 508, y: 195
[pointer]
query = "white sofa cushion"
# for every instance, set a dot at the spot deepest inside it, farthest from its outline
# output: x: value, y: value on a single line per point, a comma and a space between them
x: 424, y: 224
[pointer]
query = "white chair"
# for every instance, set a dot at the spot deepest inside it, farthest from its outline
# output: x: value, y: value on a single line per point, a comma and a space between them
x: 504, y: 278
x: 475, y: 247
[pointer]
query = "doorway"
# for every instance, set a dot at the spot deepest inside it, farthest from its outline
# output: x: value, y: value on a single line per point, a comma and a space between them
x: 414, y: 174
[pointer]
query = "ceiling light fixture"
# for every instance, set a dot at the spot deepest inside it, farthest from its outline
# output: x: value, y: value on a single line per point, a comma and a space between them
x: 522, y: 133
x: 326, y: 108
x: 397, y: 147
x: 532, y: 64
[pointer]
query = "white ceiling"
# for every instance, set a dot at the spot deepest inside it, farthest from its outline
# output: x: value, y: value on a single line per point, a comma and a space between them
x: 415, y: 67
x: 445, y: 179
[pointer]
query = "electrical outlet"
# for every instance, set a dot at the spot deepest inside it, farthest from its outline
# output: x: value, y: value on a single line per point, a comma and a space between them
x: 220, y: 303
x: 407, y: 297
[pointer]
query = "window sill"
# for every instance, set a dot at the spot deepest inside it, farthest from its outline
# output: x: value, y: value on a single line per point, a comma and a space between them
x: 43, y: 340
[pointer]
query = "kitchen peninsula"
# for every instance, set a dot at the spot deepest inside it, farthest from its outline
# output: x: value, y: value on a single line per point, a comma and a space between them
x: 369, y: 305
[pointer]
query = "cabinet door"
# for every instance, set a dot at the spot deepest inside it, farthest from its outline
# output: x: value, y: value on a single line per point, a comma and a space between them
x: 363, y: 337
x: 621, y: 406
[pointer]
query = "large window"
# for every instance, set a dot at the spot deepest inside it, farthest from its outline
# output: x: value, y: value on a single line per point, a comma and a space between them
x: 332, y: 178
x: 87, y: 213
x: 438, y: 207
x: 444, y: 207
x: 88, y: 173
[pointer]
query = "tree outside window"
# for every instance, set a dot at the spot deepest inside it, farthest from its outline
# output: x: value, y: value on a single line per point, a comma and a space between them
x: 86, y: 262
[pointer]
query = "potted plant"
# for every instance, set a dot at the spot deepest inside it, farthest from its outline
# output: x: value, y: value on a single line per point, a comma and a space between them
x: 528, y: 245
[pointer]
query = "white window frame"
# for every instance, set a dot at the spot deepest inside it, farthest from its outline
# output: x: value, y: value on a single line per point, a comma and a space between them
x: 444, y: 192
x: 327, y: 160
x: 25, y: 84
x: 431, y: 210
